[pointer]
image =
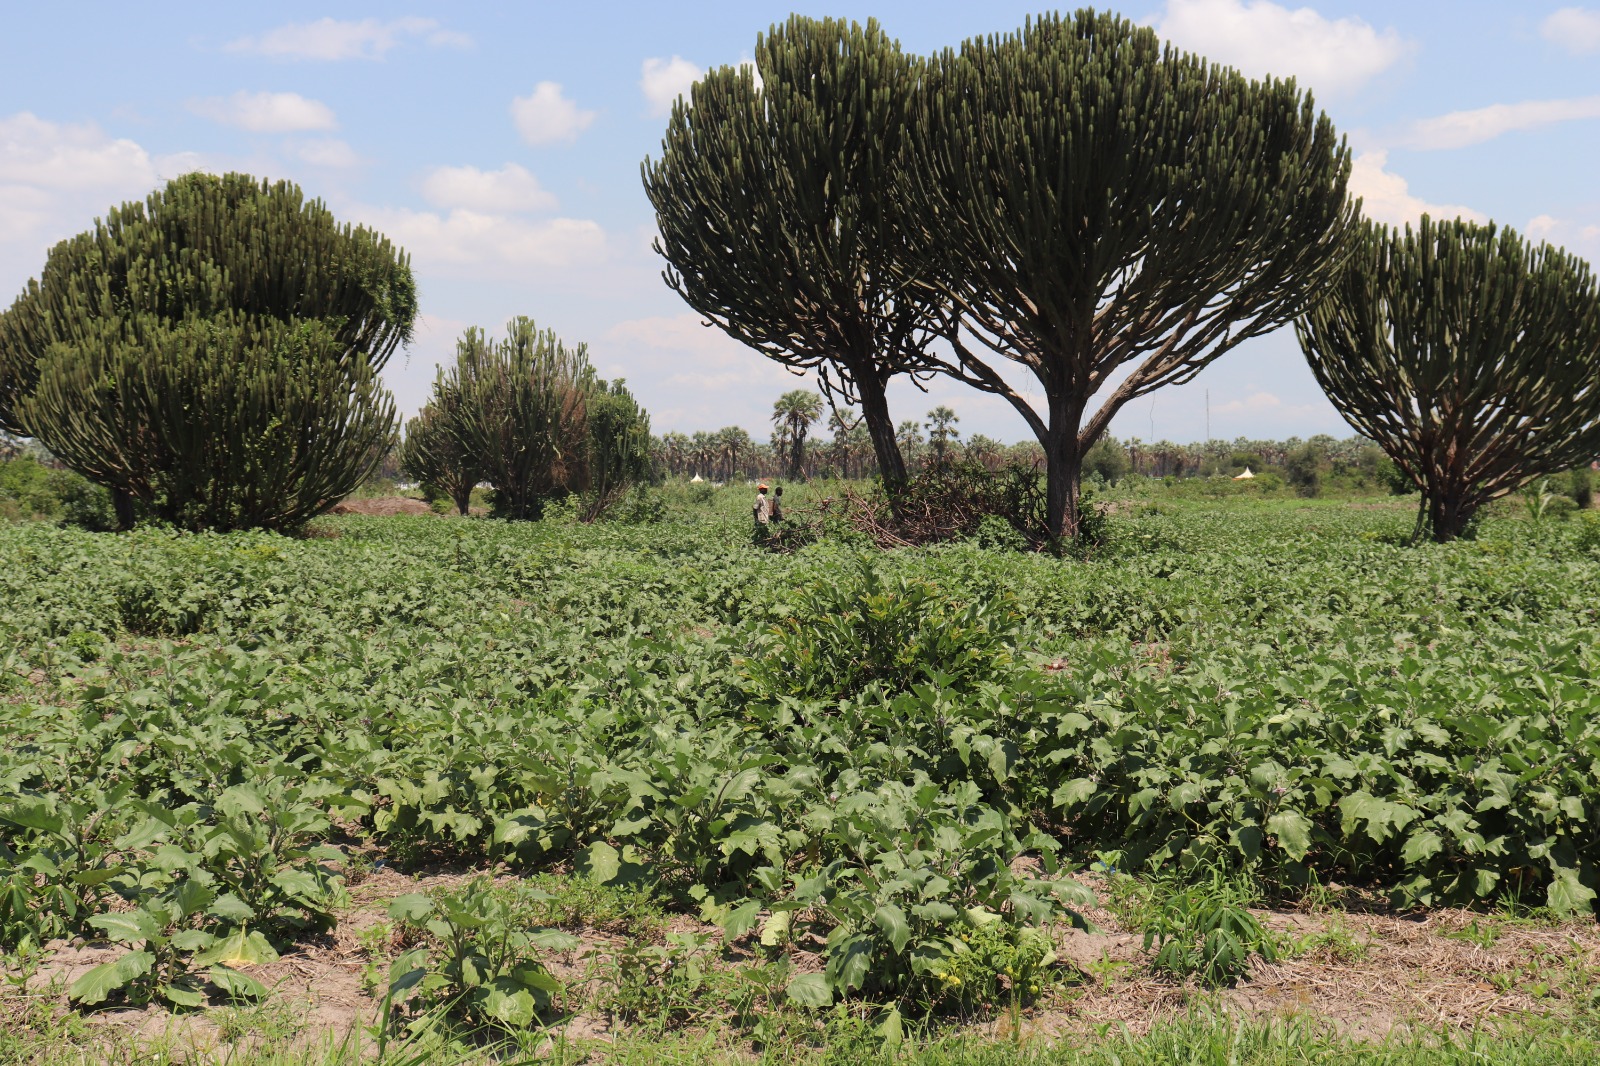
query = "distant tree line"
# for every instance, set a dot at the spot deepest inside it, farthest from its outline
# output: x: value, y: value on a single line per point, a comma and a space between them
x: 842, y: 448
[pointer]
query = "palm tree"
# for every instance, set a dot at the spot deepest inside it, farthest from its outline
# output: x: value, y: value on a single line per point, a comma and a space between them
x: 909, y: 436
x: 734, y: 443
x: 792, y: 417
x: 986, y: 451
x: 942, y: 433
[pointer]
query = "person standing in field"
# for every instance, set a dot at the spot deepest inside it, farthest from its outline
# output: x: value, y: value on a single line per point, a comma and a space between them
x: 777, y: 505
x: 762, y: 510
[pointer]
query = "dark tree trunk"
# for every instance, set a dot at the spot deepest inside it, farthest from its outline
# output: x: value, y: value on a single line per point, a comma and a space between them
x: 1063, y: 469
x: 880, y: 427
x: 1449, y: 515
x: 122, y: 506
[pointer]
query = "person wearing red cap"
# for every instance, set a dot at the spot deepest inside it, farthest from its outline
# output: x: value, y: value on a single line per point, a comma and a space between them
x: 762, y: 510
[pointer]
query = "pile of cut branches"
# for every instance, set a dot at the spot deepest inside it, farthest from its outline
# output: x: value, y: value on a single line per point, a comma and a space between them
x: 952, y: 501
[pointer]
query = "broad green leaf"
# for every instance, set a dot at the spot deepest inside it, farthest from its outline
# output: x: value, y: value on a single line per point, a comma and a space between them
x: 1420, y: 845
x: 40, y: 815
x: 740, y: 920
x: 94, y: 986
x: 510, y: 1005
x: 231, y: 908
x: 181, y: 995
x: 130, y: 927
x: 1567, y: 894
x: 891, y: 921
x: 239, y: 948
x: 981, y: 916
x: 604, y: 862
x: 91, y: 878
x: 236, y: 985
x: 810, y: 990
x: 1293, y: 832
x: 891, y: 1030
x: 192, y: 897
x: 411, y: 907
x: 1073, y: 792
x: 535, y: 976
x: 775, y: 930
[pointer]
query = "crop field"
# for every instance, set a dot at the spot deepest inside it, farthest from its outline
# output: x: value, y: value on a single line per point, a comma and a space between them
x: 567, y: 786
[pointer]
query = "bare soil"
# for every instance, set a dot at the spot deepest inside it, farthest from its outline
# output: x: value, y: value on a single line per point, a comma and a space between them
x: 1445, y: 969
x: 382, y: 506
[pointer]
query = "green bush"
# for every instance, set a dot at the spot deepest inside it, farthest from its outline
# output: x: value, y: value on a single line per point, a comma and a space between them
x: 888, y: 633
x: 1204, y: 928
x: 29, y: 489
x: 481, y: 959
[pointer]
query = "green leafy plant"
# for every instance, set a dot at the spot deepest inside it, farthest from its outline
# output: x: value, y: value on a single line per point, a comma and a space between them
x: 169, y: 942
x: 481, y: 964
x: 1205, y: 929
x: 888, y: 632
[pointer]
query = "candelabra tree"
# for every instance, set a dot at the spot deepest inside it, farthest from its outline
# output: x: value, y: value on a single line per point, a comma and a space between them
x: 770, y: 199
x: 1469, y: 355
x: 227, y: 422
x: 436, y: 451
x: 618, y: 432
x: 212, y: 353
x: 1086, y: 199
x: 523, y: 413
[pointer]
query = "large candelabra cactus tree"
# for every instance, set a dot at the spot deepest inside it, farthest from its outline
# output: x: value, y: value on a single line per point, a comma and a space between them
x: 212, y: 353
x: 1471, y: 356
x: 1110, y: 214
x: 771, y: 201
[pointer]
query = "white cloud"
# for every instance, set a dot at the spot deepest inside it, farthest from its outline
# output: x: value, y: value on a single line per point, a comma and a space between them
x: 55, y: 155
x: 1258, y: 37
x: 685, y: 333
x: 56, y: 178
x: 695, y: 376
x: 1386, y: 197
x: 266, y: 112
x: 510, y: 189
x: 546, y: 116
x: 1459, y: 129
x: 1575, y: 235
x: 484, y: 243
x: 328, y: 152
x: 663, y: 80
x: 1540, y: 227
x: 1577, y: 29
x: 1258, y: 403
x: 332, y: 39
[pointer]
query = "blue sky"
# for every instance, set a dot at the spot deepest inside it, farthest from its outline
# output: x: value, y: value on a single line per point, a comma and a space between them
x: 500, y: 144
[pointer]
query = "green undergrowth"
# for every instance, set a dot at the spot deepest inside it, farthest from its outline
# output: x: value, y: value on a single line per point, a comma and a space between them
x: 1204, y: 1039
x: 891, y: 762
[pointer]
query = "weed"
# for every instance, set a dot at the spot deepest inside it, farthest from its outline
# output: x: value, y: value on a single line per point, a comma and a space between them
x: 481, y: 963
x: 1205, y: 929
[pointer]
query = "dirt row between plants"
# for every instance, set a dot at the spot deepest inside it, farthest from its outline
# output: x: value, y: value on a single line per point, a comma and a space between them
x: 1365, y: 974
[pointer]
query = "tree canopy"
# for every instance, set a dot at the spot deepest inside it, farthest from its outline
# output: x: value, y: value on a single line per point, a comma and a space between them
x: 1471, y: 356
x: 212, y: 352
x: 527, y: 414
x: 1087, y: 198
x: 770, y: 201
